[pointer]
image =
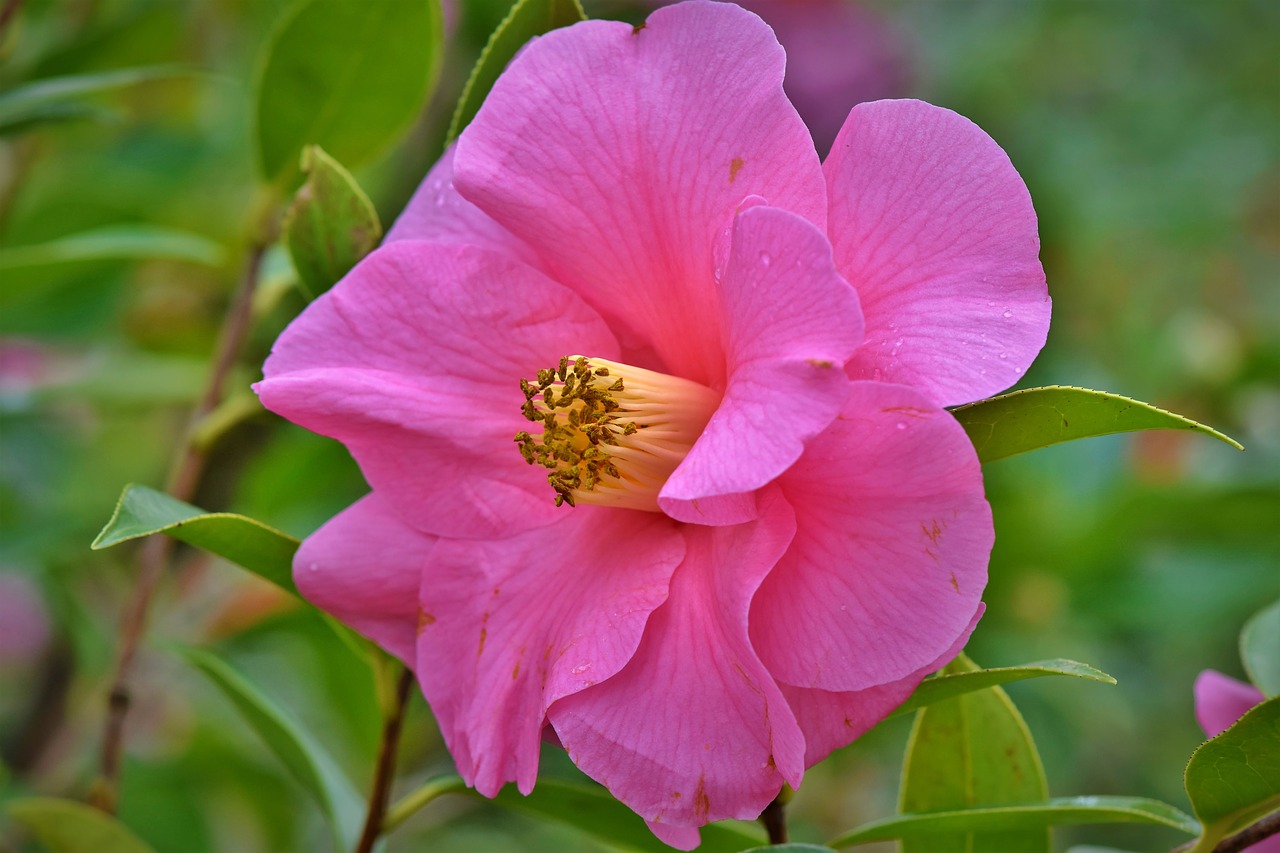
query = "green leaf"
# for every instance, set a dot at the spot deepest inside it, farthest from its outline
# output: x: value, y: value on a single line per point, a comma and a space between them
x: 330, y: 225
x: 117, y: 242
x: 789, y: 848
x: 1260, y: 649
x: 66, y: 826
x: 262, y: 550
x: 304, y: 758
x: 1234, y: 779
x: 592, y: 810
x: 589, y: 808
x: 936, y: 688
x: 59, y: 98
x: 348, y: 75
x: 527, y: 19
x: 1030, y: 817
x: 1038, y: 417
x: 972, y: 750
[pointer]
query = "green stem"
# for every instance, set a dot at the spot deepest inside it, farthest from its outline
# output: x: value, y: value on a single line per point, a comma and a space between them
x: 419, y: 799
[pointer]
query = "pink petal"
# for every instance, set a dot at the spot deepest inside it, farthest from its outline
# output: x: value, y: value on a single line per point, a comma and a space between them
x: 890, y: 555
x: 363, y: 568
x: 512, y: 625
x: 934, y: 228
x: 679, y: 837
x: 790, y: 323
x: 619, y: 153
x: 413, y: 362
x: 1221, y: 700
x: 832, y: 720
x: 694, y: 729
x: 437, y: 214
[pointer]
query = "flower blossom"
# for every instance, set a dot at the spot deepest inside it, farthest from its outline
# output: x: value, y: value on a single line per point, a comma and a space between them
x: 651, y: 401
x: 1221, y: 700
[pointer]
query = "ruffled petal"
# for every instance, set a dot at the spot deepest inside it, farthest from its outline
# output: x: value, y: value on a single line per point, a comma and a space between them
x: 414, y: 361
x: 437, y: 214
x: 891, y: 548
x: 619, y: 152
x: 509, y: 626
x: 832, y: 720
x: 790, y: 324
x: 363, y: 567
x: 1221, y: 700
x: 935, y: 229
x: 694, y: 729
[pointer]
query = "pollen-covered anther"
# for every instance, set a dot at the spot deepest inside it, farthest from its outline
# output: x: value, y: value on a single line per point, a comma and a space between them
x: 611, y: 433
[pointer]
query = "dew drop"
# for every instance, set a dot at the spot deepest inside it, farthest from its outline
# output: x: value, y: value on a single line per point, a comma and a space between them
x: 1007, y: 314
x: 1003, y: 356
x: 440, y: 200
x: 578, y: 670
x: 765, y: 259
x: 901, y: 424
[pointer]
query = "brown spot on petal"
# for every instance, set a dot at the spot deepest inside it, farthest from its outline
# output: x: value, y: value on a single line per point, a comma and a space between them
x: 909, y: 411
x: 515, y: 673
x: 635, y: 31
x: 424, y: 619
x: 701, y: 803
x: 771, y: 764
x: 735, y: 166
x: 822, y: 363
x: 955, y: 584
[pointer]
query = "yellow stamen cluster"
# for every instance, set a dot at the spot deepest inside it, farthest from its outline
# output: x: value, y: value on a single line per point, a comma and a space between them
x: 611, y: 433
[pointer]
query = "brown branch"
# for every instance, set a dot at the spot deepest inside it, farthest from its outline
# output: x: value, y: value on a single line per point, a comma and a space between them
x: 385, y: 769
x: 154, y: 556
x: 8, y: 12
x: 774, y: 818
x: 1245, y: 838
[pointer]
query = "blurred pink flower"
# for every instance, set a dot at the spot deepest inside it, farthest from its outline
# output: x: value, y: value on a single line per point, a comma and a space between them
x: 24, y: 621
x: 767, y: 552
x: 1221, y: 700
x: 838, y: 54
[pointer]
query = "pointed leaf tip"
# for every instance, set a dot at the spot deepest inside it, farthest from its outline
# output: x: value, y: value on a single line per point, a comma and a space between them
x: 1038, y: 417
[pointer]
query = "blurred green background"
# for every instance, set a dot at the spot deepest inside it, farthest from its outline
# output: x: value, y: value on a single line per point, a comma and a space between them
x: 1148, y: 132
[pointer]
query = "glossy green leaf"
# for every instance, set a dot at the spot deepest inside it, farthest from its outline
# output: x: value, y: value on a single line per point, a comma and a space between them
x: 67, y: 826
x: 61, y: 98
x: 304, y: 758
x: 1260, y: 649
x: 1032, y: 816
x: 348, y: 75
x: 1234, y: 779
x: 594, y: 811
x: 972, y: 750
x: 330, y: 225
x: 789, y: 848
x: 527, y: 19
x: 936, y: 688
x: 589, y: 808
x: 262, y: 550
x: 1038, y: 417
x: 117, y: 242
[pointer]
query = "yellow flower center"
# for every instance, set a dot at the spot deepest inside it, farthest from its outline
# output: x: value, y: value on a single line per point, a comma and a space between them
x: 611, y: 433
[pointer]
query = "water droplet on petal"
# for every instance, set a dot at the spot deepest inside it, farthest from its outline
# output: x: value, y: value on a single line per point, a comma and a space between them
x: 765, y: 259
x: 578, y: 670
x: 901, y: 424
x: 1003, y: 356
x: 982, y: 372
x: 1007, y: 314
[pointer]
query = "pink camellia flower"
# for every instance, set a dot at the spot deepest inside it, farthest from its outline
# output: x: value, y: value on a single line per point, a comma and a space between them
x: 650, y: 401
x: 1221, y: 700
